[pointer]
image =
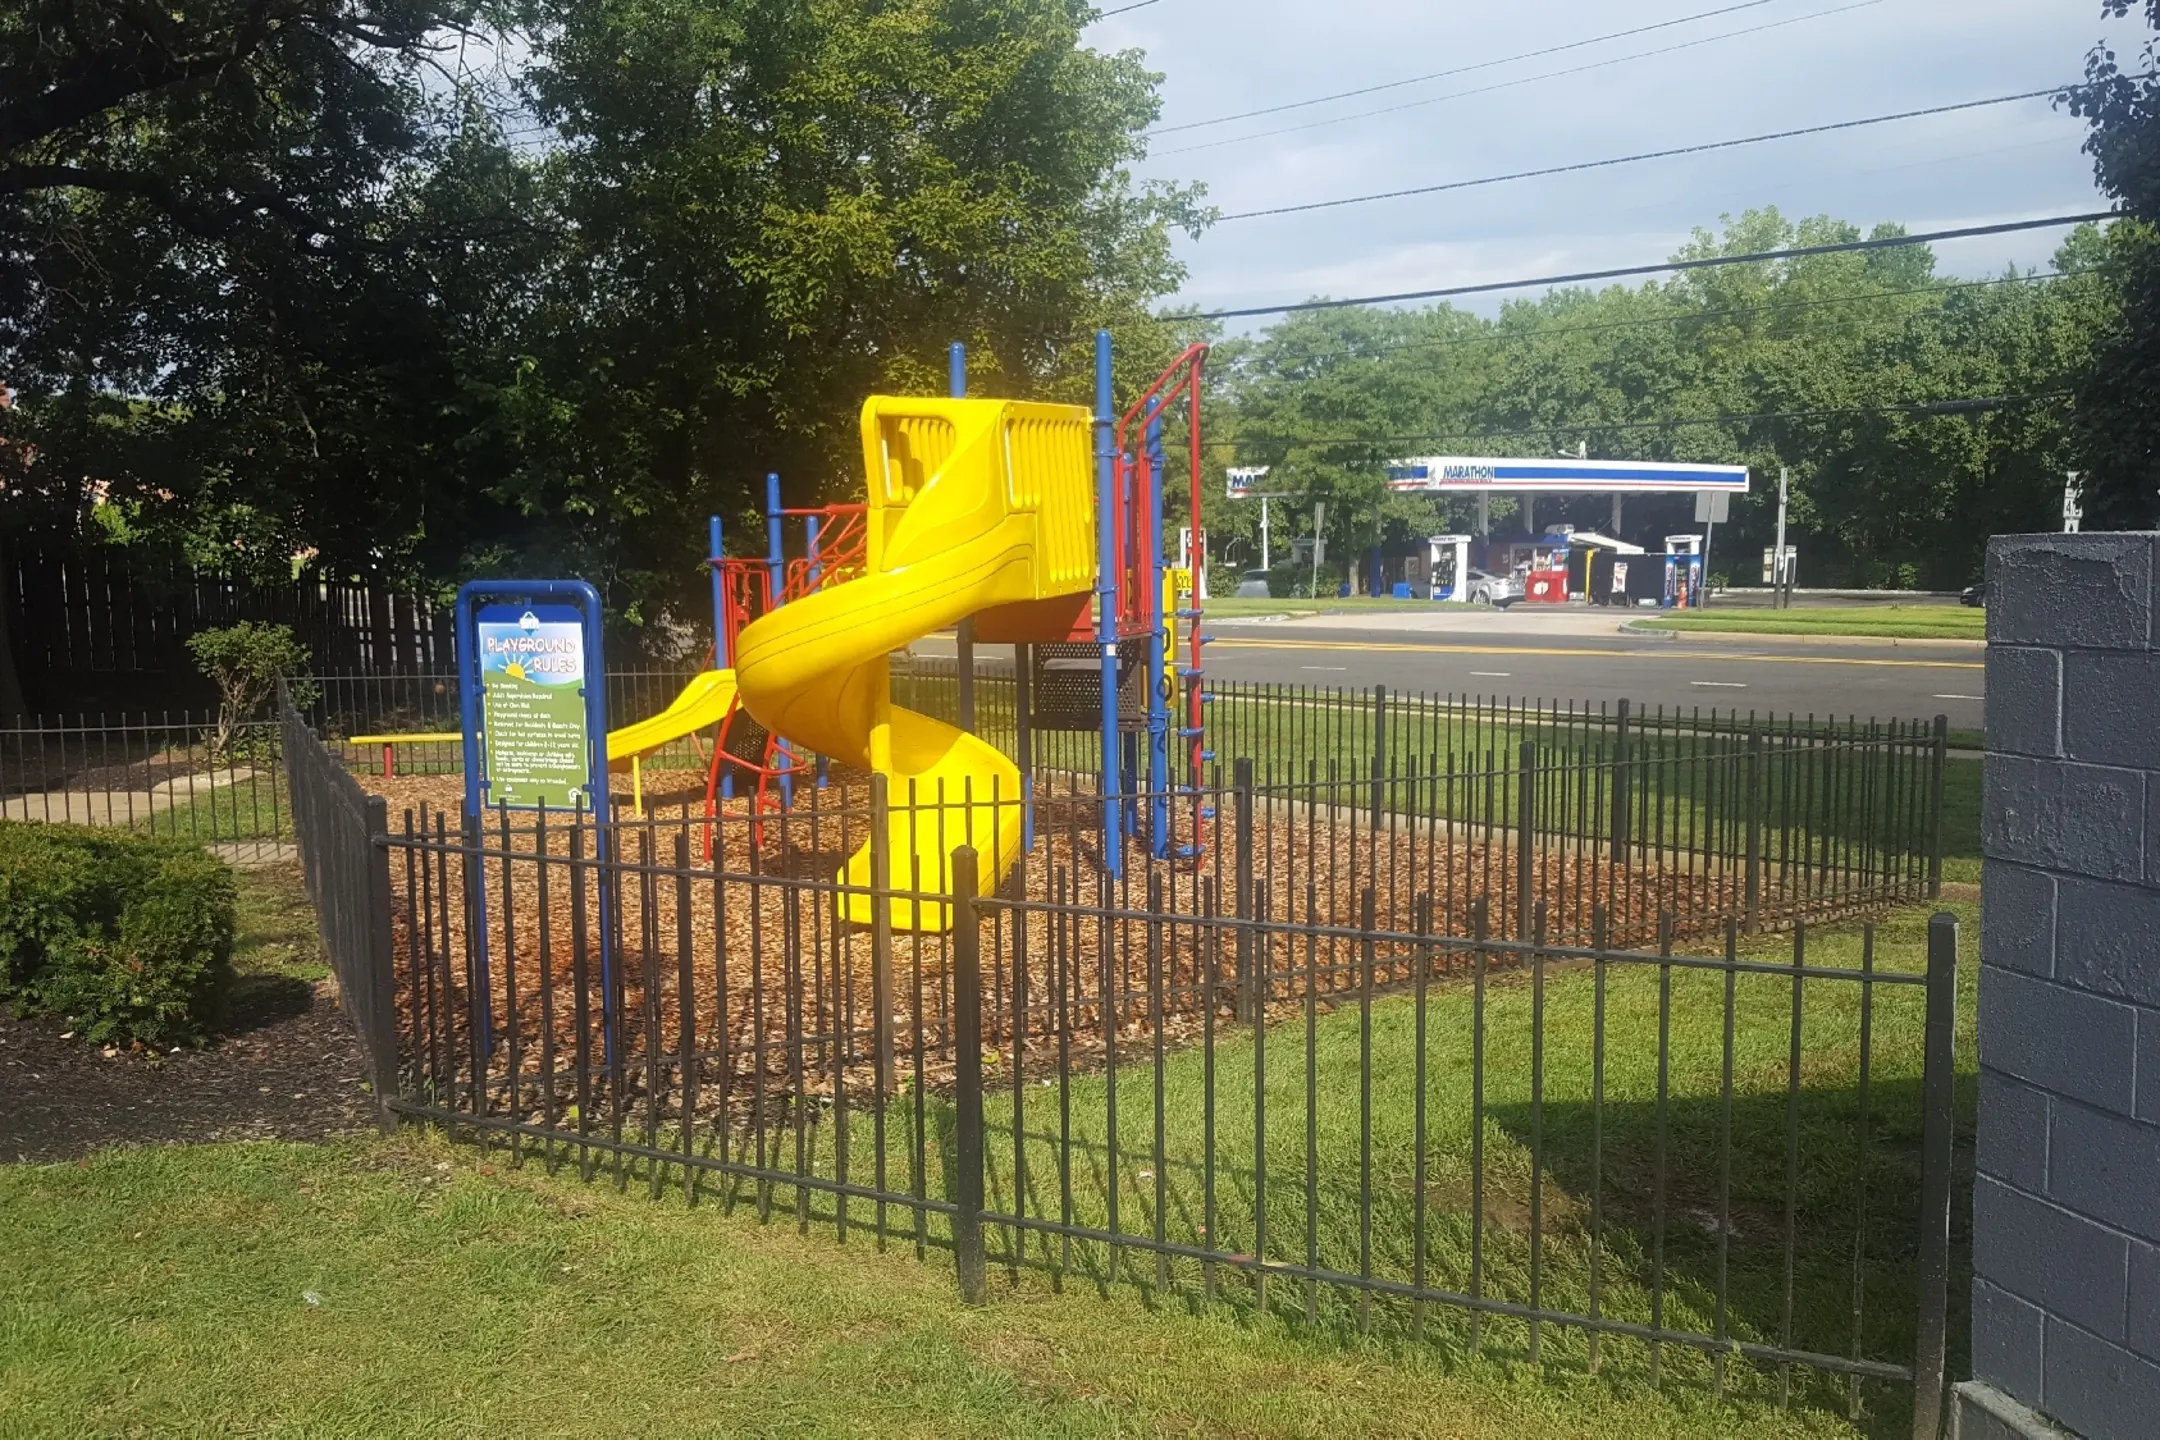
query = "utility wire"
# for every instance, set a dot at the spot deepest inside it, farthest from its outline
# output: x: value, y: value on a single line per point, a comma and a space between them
x: 1499, y: 336
x: 1444, y: 74
x: 1521, y: 80
x: 1698, y: 149
x: 1887, y: 242
x: 1960, y: 405
x: 1141, y: 5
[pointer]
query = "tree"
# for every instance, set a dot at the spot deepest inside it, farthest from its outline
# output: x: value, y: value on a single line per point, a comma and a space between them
x: 2118, y: 432
x: 1915, y: 414
x: 772, y: 211
x: 244, y: 254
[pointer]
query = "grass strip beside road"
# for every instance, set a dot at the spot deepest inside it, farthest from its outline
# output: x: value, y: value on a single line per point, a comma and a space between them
x: 1888, y: 622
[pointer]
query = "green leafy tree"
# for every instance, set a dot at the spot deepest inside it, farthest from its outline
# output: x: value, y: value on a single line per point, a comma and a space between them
x: 2117, y: 430
x: 772, y: 211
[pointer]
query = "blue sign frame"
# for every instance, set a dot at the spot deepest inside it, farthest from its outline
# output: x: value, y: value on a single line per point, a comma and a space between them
x: 586, y: 600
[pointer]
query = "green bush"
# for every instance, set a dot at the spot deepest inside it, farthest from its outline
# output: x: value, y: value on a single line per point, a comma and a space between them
x: 125, y: 937
x: 244, y: 661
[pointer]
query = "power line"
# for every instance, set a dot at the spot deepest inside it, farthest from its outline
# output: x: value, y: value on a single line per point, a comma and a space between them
x: 1522, y: 80
x: 1444, y: 74
x: 1141, y: 5
x: 1887, y: 242
x: 1496, y: 335
x: 1651, y: 154
x: 1959, y: 405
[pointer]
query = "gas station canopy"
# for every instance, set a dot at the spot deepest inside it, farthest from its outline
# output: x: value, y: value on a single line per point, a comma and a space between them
x: 1573, y: 477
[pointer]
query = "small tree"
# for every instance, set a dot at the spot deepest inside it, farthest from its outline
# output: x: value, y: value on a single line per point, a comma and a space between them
x: 244, y: 661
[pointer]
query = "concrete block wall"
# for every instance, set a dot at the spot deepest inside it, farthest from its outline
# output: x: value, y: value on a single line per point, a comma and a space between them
x: 2066, y: 1202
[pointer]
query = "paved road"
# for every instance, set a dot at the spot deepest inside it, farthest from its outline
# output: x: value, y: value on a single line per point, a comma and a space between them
x: 1582, y: 656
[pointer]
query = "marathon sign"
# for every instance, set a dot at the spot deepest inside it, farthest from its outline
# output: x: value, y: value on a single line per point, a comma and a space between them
x: 1455, y: 472
x: 1245, y: 483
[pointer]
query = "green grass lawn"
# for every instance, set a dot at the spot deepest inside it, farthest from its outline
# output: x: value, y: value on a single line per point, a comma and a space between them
x: 409, y: 1286
x: 1902, y: 622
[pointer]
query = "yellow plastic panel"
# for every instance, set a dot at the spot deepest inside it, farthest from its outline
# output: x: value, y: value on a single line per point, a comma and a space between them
x: 974, y: 504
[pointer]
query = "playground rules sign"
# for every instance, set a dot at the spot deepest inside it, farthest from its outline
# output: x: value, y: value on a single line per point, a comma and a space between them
x: 532, y: 706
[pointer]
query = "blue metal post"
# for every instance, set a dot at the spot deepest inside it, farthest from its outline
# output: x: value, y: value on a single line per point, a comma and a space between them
x: 721, y: 659
x: 719, y: 593
x: 817, y: 573
x: 776, y: 579
x: 1106, y: 588
x: 1158, y: 709
x: 469, y: 711
x: 964, y: 632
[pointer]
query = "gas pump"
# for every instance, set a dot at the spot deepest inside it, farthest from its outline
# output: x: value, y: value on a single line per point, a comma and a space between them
x: 1683, y: 571
x: 1450, y: 560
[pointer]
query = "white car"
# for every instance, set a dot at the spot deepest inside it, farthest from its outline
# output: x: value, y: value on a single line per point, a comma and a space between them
x: 1253, y: 585
x: 1485, y: 588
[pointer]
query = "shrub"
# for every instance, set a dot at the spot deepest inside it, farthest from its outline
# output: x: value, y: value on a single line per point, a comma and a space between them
x: 244, y: 661
x: 125, y: 937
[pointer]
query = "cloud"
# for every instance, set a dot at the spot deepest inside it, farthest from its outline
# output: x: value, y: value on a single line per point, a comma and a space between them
x: 2002, y: 162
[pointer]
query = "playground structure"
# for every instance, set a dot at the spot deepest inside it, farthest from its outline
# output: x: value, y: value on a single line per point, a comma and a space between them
x: 999, y: 517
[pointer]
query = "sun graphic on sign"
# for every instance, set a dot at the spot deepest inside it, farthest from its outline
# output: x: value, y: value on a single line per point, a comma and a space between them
x: 514, y: 670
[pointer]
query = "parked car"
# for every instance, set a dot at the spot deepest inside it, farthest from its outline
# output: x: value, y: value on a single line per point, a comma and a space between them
x: 1253, y: 585
x: 1486, y: 588
x: 1975, y: 595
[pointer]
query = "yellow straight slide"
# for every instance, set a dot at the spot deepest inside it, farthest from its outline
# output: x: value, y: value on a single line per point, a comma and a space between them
x: 704, y: 702
x: 973, y: 504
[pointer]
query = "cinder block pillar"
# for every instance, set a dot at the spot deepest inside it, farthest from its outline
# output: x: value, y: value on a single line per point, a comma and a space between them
x: 2066, y: 1201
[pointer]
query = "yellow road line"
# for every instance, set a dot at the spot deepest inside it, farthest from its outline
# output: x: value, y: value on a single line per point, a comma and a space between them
x: 1226, y: 644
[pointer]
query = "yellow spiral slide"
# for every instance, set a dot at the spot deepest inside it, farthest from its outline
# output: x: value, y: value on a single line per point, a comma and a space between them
x: 974, y: 506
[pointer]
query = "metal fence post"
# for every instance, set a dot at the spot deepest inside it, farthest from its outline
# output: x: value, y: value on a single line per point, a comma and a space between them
x: 1249, y: 1001
x: 381, y: 999
x: 1525, y: 836
x: 1753, y: 911
x: 968, y: 1256
x: 964, y: 671
x: 1937, y: 1126
x: 881, y: 903
x: 1621, y: 797
x: 1935, y: 803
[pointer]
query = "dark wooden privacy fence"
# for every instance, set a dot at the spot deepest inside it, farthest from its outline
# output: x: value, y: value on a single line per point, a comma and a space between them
x: 100, y: 630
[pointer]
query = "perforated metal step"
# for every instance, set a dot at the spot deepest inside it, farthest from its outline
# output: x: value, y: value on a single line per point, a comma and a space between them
x: 1068, y: 686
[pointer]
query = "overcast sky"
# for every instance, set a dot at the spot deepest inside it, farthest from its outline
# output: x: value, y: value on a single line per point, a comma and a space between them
x: 1832, y: 60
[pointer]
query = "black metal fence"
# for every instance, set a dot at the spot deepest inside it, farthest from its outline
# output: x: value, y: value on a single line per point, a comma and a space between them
x: 161, y: 774
x: 341, y: 834
x: 1360, y: 1066
x: 1768, y: 819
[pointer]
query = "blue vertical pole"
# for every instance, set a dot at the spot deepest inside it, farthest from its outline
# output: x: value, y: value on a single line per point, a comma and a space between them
x: 1158, y: 709
x: 1106, y: 588
x: 719, y: 593
x: 471, y: 676
x: 595, y: 696
x: 817, y: 573
x: 964, y: 632
x: 775, y: 555
x: 776, y: 580
x: 721, y: 659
